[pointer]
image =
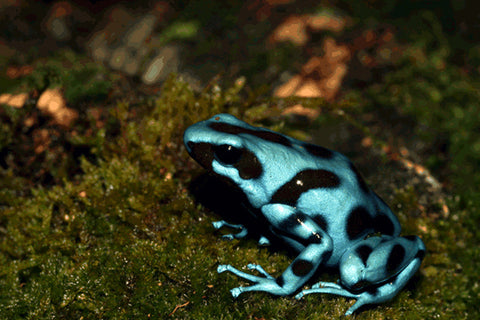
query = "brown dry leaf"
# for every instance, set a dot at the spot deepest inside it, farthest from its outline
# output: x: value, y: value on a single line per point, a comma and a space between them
x: 298, y: 109
x: 326, y: 22
x: 321, y: 77
x: 296, y: 27
x: 17, y: 72
x: 51, y: 102
x: 13, y: 100
x: 293, y: 29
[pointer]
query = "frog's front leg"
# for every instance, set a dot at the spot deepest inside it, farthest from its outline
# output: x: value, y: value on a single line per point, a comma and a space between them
x: 318, y: 247
x: 222, y: 223
x: 241, y: 234
x: 374, y: 270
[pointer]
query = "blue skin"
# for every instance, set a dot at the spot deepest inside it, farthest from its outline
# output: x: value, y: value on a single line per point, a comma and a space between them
x: 317, y: 203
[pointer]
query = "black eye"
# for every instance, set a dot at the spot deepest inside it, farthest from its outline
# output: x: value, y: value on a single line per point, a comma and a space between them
x: 227, y: 154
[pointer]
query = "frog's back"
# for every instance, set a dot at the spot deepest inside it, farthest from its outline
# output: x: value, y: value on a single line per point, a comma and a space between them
x: 332, y: 192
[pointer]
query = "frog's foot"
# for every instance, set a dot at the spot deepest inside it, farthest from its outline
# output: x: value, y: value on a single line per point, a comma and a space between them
x: 375, y: 270
x: 262, y: 283
x: 263, y: 241
x: 243, y: 232
x: 220, y: 224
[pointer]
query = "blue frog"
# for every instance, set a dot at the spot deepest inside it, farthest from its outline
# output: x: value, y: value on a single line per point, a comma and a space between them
x: 315, y: 201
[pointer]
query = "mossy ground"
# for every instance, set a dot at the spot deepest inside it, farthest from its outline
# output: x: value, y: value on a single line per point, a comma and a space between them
x: 108, y: 223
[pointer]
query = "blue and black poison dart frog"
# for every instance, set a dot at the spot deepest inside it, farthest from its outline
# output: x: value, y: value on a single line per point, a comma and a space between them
x: 314, y: 200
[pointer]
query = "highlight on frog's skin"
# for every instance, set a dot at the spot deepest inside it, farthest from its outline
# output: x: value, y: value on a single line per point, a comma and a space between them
x: 317, y: 203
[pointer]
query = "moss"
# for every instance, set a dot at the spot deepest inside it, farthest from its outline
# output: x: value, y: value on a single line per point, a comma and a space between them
x: 120, y: 235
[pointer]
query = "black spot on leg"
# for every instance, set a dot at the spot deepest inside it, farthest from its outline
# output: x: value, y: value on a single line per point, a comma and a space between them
x: 280, y: 281
x: 315, y: 238
x: 292, y: 221
x: 358, y: 223
x: 395, y: 258
x: 373, y: 290
x: 364, y: 252
x: 301, y: 267
x: 303, y: 181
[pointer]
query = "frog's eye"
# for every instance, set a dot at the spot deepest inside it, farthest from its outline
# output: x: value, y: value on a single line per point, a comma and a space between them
x: 227, y: 154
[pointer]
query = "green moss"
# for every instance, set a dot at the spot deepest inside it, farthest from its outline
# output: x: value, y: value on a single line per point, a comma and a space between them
x: 124, y: 238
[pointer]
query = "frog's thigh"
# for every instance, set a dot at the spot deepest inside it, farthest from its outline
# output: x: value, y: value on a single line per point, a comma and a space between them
x: 375, y: 260
x: 318, y: 246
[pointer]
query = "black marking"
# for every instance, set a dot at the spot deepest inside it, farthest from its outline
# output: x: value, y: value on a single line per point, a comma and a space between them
x: 321, y: 222
x: 244, y: 161
x: 315, y: 238
x: 280, y: 281
x: 249, y: 167
x: 262, y: 134
x: 318, y: 151
x: 420, y: 254
x: 411, y: 238
x: 361, y: 182
x: 360, y: 285
x: 304, y: 180
x: 383, y: 224
x: 301, y: 267
x: 202, y: 152
x: 395, y: 258
x: 364, y: 252
x: 227, y: 154
x: 292, y: 221
x: 358, y: 223
x: 373, y: 290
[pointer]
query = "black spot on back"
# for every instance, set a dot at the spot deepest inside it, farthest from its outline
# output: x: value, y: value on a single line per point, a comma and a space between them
x: 358, y: 223
x: 360, y: 181
x: 302, y: 182
x: 383, y: 224
x: 364, y: 252
x: 301, y: 267
x: 318, y: 151
x: 321, y: 222
x: 262, y: 134
x: 395, y: 258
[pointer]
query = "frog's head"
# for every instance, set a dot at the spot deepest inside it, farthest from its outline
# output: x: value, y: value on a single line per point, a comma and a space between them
x: 248, y: 156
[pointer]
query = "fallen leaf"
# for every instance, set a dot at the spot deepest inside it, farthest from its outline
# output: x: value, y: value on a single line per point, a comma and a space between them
x: 13, y: 100
x: 51, y: 102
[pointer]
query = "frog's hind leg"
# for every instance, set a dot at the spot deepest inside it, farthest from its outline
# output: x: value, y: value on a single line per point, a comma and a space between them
x: 375, y: 270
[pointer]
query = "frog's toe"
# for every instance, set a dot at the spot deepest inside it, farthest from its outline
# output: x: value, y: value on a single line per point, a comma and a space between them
x: 222, y: 268
x: 259, y: 268
x: 300, y: 295
x: 263, y: 241
x: 236, y: 292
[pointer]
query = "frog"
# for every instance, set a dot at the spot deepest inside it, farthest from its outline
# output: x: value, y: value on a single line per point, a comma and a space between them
x: 316, y: 202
